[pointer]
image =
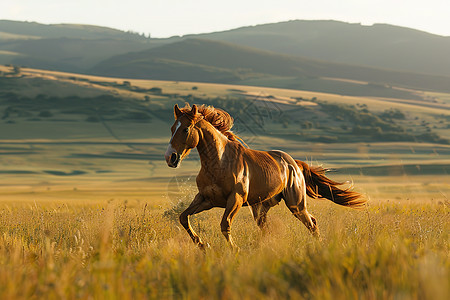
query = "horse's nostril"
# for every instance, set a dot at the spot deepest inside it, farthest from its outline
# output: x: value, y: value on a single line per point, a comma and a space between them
x: 173, y: 158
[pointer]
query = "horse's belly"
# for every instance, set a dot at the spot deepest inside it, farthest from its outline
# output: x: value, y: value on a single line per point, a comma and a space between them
x: 261, y: 196
x: 264, y: 190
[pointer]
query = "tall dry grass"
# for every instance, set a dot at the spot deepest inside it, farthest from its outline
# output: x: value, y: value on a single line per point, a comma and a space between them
x: 131, y: 250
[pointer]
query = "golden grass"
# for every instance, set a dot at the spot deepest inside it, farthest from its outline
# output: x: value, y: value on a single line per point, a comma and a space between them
x: 121, y: 249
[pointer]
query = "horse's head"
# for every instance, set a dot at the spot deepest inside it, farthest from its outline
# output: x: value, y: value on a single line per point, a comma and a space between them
x: 184, y: 135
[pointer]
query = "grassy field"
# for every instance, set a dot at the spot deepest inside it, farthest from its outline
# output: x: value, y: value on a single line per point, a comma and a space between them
x: 105, y: 226
x: 89, y: 209
x: 130, y: 246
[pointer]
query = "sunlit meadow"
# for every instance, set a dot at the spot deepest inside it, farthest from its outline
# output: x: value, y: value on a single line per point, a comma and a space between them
x: 135, y: 249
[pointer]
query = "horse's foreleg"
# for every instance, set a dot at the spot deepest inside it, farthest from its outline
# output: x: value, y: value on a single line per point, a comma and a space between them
x: 234, y: 203
x: 198, y: 205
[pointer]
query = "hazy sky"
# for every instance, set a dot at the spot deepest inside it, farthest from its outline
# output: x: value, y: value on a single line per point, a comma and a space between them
x: 163, y: 18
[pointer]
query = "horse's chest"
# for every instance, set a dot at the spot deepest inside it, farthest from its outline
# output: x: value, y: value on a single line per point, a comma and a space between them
x: 214, y: 189
x: 214, y: 194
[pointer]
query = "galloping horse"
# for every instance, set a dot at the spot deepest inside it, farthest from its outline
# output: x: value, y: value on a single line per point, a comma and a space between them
x: 232, y: 176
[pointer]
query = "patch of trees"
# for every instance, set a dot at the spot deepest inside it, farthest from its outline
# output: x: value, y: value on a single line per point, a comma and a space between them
x: 95, y: 109
x: 368, y: 126
x: 359, y: 117
x: 392, y: 114
x: 126, y: 85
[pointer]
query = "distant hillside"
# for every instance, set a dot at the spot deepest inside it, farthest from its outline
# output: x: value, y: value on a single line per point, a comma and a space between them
x: 33, y: 30
x: 202, y: 56
x: 64, y: 47
x: 64, y: 54
x: 380, y: 45
x: 37, y: 104
x: 196, y: 59
x: 294, y: 55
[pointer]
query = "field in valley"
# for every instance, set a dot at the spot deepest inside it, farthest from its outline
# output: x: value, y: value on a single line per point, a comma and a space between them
x: 89, y: 209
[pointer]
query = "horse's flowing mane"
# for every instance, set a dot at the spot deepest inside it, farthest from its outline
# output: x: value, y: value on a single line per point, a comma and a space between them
x: 220, y: 119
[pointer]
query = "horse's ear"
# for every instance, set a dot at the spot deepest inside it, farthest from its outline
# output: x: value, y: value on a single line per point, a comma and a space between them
x: 194, y: 110
x: 176, y: 111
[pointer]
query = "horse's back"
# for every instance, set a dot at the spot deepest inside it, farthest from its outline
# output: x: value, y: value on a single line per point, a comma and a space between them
x: 282, y: 157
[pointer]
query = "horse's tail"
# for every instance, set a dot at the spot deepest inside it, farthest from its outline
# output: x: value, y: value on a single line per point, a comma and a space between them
x: 320, y: 186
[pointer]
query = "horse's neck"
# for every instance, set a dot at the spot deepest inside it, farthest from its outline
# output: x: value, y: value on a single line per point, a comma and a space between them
x: 211, y: 145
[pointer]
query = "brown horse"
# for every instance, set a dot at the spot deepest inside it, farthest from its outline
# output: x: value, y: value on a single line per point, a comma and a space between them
x: 232, y: 176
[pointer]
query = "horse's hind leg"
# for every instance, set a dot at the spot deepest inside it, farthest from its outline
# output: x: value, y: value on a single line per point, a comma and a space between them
x: 198, y: 205
x: 307, y: 219
x: 295, y: 198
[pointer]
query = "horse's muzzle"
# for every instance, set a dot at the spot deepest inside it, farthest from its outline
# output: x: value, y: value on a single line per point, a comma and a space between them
x: 172, y: 157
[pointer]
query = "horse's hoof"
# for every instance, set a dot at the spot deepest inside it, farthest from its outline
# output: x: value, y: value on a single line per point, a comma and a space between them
x: 316, y: 235
x: 204, y: 246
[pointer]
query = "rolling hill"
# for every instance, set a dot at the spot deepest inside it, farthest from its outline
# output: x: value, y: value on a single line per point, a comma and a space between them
x: 326, y: 56
x: 64, y: 47
x: 32, y: 30
x: 213, y: 61
x: 64, y: 54
x: 30, y: 98
x: 380, y: 45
